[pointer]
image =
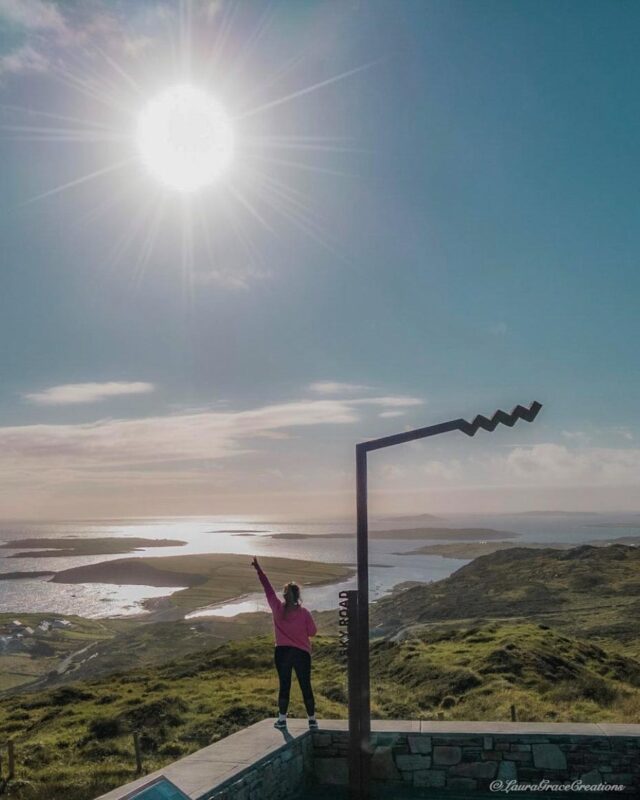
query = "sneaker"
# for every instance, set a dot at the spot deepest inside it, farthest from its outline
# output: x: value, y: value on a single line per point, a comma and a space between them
x: 280, y: 724
x: 313, y: 724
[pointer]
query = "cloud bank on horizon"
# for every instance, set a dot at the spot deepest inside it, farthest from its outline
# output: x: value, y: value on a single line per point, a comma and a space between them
x: 207, y: 458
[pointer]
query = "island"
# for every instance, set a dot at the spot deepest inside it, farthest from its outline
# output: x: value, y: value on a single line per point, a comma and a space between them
x: 471, y: 550
x: 65, y: 547
x: 455, y: 534
x: 16, y: 576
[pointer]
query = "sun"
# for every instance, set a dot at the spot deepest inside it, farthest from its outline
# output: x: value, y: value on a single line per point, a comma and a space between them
x: 185, y: 138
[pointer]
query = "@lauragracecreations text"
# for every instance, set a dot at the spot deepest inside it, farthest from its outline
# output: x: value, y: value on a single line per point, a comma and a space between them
x: 550, y: 786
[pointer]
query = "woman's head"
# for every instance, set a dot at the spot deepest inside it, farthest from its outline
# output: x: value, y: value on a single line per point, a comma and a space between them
x: 291, y: 594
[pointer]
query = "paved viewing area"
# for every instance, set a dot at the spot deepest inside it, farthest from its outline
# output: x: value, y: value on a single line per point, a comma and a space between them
x: 261, y: 763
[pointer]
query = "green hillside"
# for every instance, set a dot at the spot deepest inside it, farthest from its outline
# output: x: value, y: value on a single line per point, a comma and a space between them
x: 588, y: 591
x: 75, y: 741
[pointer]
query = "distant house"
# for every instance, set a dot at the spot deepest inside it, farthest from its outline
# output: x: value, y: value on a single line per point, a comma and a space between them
x: 27, y: 631
x: 44, y: 626
x: 61, y: 623
x: 11, y: 644
x: 15, y: 625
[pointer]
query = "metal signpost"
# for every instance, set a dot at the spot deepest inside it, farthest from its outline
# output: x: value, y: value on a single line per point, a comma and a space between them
x: 356, y: 603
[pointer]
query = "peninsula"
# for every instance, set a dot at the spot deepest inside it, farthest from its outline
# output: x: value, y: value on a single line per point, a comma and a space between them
x: 209, y: 578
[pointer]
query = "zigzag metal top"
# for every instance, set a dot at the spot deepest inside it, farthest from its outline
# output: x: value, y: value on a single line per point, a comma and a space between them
x: 501, y: 417
x: 470, y: 428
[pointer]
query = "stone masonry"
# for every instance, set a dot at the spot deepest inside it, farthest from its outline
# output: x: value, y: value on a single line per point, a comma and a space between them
x: 416, y: 757
x: 280, y: 776
x: 467, y: 762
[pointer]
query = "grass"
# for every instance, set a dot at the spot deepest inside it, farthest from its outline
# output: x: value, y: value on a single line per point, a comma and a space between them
x: 75, y: 741
x: 587, y: 591
x: 476, y: 672
x: 23, y: 668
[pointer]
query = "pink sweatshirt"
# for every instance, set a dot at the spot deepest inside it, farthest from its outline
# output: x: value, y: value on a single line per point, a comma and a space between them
x: 292, y: 629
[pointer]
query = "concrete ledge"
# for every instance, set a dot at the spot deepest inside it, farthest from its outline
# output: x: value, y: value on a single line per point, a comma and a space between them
x: 201, y: 771
x: 529, y: 728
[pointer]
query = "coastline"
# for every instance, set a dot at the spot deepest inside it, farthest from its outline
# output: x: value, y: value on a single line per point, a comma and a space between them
x: 199, y: 581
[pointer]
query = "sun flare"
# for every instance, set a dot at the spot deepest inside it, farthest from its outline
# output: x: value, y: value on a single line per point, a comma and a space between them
x: 185, y: 138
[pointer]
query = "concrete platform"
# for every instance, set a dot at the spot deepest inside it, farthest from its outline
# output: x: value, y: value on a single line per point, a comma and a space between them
x: 201, y: 771
x: 197, y: 773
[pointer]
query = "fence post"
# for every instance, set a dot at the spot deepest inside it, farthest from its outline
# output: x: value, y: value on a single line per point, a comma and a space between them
x: 11, y: 758
x: 136, y: 745
x: 513, y: 713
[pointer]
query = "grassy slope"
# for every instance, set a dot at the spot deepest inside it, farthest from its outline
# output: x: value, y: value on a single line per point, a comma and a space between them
x: 587, y: 591
x: 470, y: 550
x: 74, y: 742
x: 22, y: 668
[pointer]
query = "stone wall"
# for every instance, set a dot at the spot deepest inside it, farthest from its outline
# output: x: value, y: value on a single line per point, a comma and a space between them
x: 467, y: 762
x: 281, y: 775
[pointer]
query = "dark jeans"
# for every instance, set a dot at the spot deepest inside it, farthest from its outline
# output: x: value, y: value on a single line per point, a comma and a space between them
x: 288, y: 659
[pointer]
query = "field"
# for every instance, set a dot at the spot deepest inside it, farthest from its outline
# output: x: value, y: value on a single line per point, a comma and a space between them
x: 50, y: 649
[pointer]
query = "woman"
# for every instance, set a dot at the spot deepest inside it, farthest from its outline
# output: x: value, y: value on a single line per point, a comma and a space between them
x: 293, y: 626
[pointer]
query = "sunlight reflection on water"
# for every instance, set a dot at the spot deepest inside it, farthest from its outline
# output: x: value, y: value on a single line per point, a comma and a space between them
x: 251, y: 537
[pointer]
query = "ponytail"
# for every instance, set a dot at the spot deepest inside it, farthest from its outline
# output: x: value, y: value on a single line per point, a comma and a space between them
x: 291, y: 596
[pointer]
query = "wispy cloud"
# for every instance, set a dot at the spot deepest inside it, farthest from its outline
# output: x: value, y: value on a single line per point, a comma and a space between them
x: 39, y: 25
x: 77, y: 393
x: 392, y: 401
x: 335, y: 387
x: 161, y: 440
x: 576, y: 436
x: 549, y: 463
x: 35, y: 15
x: 24, y: 59
x: 50, y: 30
x: 47, y: 32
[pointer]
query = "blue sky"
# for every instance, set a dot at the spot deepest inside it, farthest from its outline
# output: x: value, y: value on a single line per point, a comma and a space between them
x: 448, y: 230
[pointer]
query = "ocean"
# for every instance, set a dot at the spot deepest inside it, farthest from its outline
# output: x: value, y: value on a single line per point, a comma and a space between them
x: 251, y: 536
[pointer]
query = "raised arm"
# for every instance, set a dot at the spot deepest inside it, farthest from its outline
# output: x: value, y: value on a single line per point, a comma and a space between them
x: 269, y: 591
